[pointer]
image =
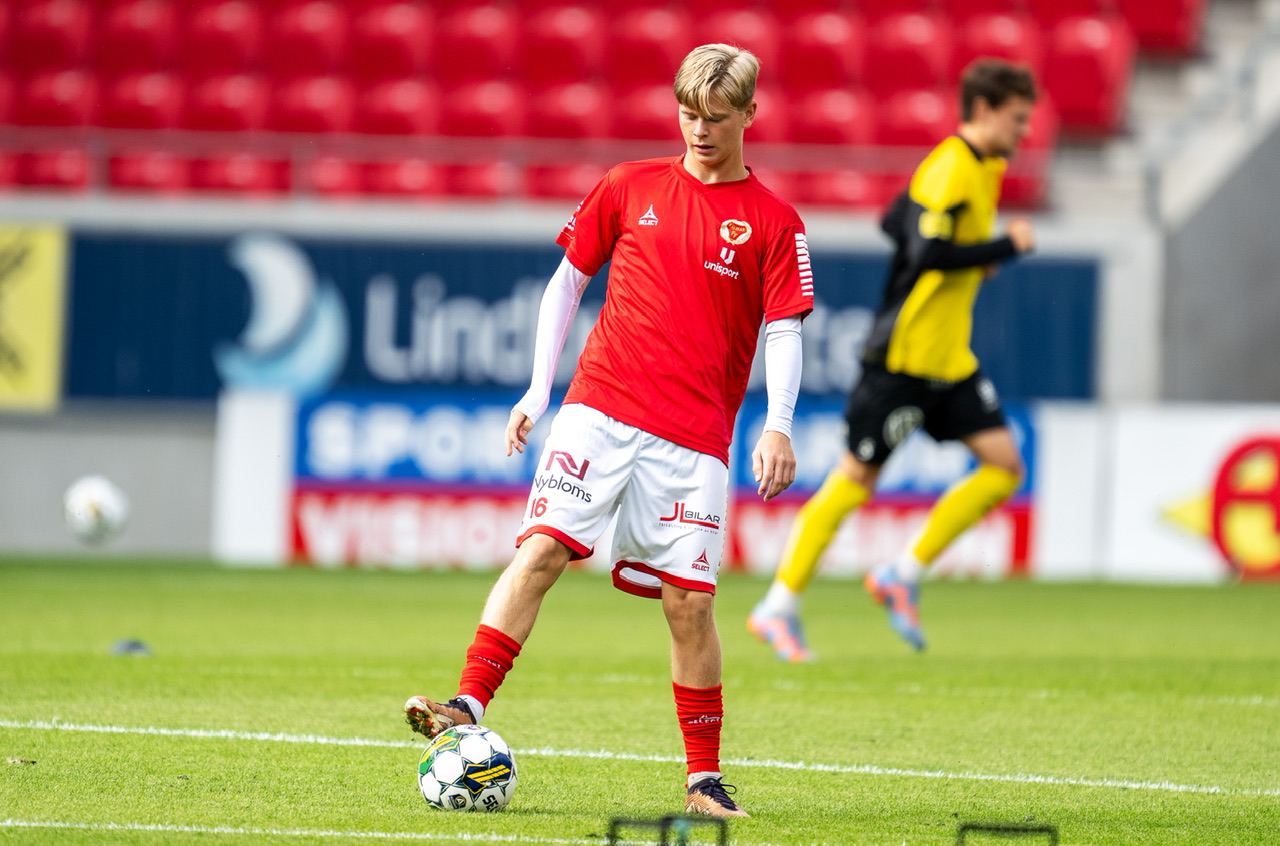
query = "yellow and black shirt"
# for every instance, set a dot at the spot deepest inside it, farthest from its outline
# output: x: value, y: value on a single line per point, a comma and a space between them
x: 941, y: 228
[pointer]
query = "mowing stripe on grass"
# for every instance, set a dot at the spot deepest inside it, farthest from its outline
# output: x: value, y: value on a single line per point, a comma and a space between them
x: 291, y: 832
x: 858, y: 769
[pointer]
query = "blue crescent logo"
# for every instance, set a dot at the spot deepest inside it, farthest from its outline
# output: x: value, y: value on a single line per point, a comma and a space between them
x: 297, y: 335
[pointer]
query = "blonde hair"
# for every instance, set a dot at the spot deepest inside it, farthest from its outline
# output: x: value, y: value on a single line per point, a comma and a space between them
x: 717, y: 70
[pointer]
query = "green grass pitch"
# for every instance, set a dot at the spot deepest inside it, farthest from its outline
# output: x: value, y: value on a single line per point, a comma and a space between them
x: 269, y: 711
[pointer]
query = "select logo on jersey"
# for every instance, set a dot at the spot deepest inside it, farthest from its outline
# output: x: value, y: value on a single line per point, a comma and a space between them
x: 568, y: 464
x: 701, y: 562
x: 736, y: 232
x: 682, y: 514
x: 649, y: 218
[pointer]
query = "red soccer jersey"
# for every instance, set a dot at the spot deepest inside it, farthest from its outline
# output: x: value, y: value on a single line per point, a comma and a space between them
x: 695, y: 270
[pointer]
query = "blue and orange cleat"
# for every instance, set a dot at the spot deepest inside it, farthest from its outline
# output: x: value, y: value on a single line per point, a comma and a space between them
x: 901, y: 599
x: 781, y: 631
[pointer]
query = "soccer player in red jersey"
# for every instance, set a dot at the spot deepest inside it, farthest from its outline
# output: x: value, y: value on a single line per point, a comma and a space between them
x: 701, y: 254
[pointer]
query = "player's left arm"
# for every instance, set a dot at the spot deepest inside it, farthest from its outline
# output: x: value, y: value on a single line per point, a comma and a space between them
x: 774, y: 460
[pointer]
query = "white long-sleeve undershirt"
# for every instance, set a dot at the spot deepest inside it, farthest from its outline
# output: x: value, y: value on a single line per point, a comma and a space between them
x: 555, y: 318
x: 782, y: 351
x: 783, y: 362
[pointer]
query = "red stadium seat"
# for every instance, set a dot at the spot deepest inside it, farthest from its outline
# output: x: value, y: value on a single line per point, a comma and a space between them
x: 772, y: 113
x: 753, y: 29
x: 240, y: 173
x: 919, y: 118
x: 478, y: 42
x: 959, y: 10
x: 223, y: 36
x: 646, y: 44
x: 57, y: 98
x: 876, y: 9
x: 646, y: 112
x: 562, y: 43
x: 143, y: 101
x: 8, y: 95
x: 1172, y: 29
x: 157, y: 171
x: 63, y: 168
x: 409, y: 177
x: 1088, y: 66
x: 331, y: 176
x: 784, y: 9
x: 842, y: 187
x: 312, y: 104
x: 306, y: 37
x: 562, y: 181
x: 398, y: 107
x: 573, y: 110
x: 1016, y: 38
x: 137, y: 35
x: 10, y: 169
x: 1049, y: 12
x: 488, y: 180
x: 493, y: 108
x: 822, y: 49
x: 837, y: 115
x: 909, y: 50
x: 227, y: 102
x: 391, y: 39
x: 50, y: 34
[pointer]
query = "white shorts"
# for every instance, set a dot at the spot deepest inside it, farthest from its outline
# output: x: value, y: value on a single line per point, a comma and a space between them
x: 670, y: 500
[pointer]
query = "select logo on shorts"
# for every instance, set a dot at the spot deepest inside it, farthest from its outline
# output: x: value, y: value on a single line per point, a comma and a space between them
x: 736, y: 232
x: 900, y: 423
x: 568, y: 464
x: 701, y: 563
x: 681, y: 514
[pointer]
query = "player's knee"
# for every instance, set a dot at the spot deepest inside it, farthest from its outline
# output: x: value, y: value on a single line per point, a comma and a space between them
x: 542, y: 555
x: 688, y: 608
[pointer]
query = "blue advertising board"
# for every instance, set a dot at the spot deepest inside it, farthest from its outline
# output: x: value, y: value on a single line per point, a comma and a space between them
x: 164, y: 317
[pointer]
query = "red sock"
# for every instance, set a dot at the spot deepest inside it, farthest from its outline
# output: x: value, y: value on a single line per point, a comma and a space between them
x: 488, y: 660
x: 700, y: 711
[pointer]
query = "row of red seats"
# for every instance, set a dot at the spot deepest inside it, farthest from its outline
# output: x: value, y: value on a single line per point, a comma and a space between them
x: 494, y: 108
x: 336, y: 177
x: 569, y: 43
x: 1090, y: 61
x: 536, y: 39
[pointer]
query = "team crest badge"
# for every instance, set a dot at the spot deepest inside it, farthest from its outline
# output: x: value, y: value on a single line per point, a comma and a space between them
x: 736, y: 232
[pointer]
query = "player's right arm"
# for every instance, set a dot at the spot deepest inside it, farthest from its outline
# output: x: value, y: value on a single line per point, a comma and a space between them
x: 555, y: 318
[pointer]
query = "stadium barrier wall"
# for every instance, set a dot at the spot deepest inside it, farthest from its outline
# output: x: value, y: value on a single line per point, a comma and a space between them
x: 1162, y: 493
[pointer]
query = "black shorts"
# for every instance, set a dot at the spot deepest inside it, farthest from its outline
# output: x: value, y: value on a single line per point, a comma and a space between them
x: 885, y: 407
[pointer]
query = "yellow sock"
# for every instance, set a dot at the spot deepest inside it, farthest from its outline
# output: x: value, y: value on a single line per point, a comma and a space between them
x: 815, y: 526
x: 965, y: 503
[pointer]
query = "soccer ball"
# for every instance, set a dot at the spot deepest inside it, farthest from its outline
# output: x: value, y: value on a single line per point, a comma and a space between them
x: 467, y: 768
x: 95, y: 509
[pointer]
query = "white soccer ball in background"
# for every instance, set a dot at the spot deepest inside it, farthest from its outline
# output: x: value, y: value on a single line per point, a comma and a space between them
x: 467, y: 768
x: 95, y: 509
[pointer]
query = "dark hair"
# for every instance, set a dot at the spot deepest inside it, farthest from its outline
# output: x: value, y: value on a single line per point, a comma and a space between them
x: 995, y: 81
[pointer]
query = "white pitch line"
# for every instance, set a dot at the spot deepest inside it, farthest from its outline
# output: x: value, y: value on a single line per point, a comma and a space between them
x: 547, y: 752
x: 292, y: 832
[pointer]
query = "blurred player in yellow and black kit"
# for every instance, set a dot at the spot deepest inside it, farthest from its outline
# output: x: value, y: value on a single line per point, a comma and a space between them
x: 918, y: 369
